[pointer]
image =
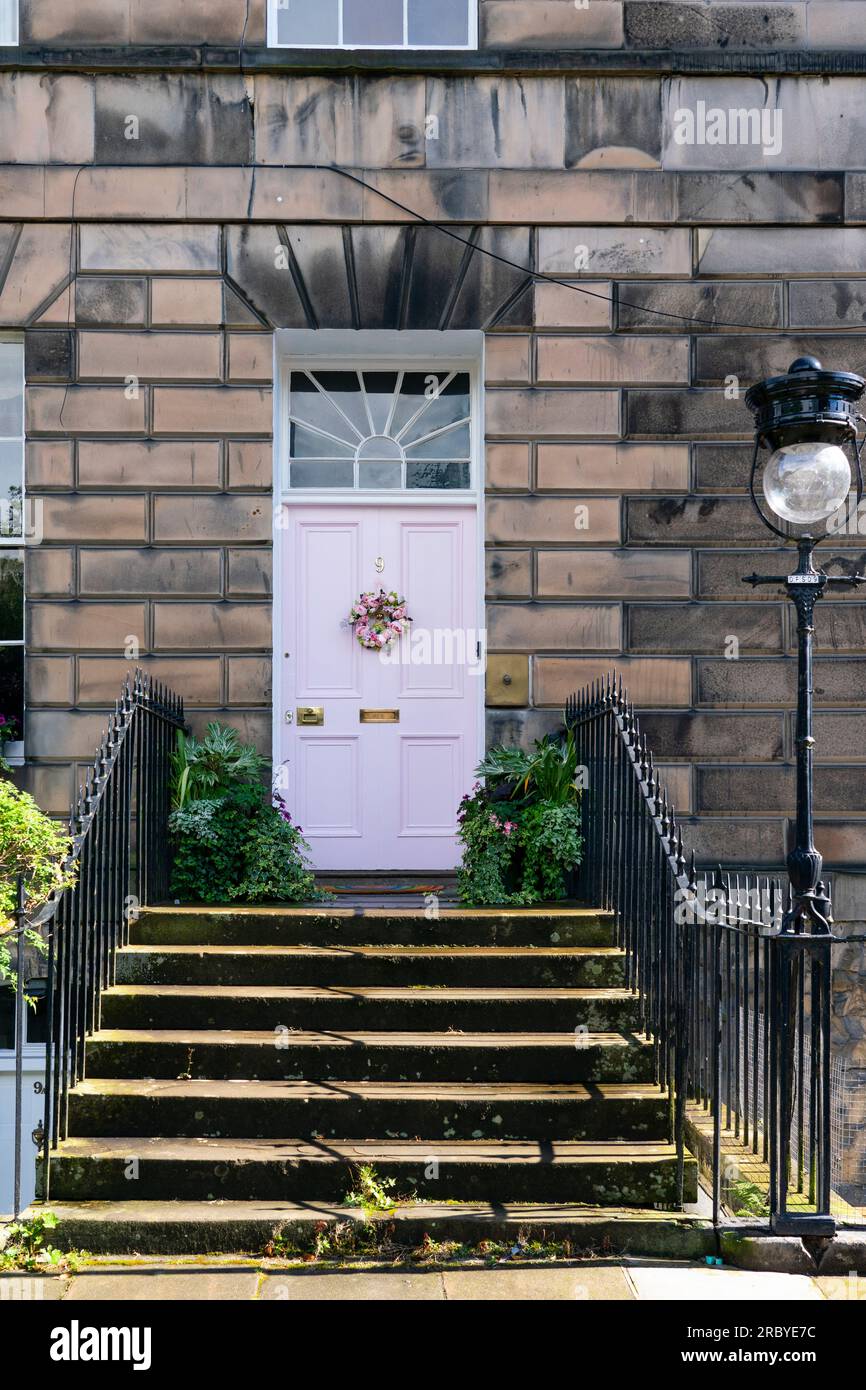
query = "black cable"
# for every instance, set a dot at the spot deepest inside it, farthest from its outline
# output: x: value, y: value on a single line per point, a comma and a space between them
x: 526, y: 270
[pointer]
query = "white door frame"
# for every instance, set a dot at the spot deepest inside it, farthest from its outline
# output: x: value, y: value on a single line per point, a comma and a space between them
x: 336, y: 349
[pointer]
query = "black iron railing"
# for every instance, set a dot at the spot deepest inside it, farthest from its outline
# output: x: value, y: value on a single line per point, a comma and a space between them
x: 119, y: 849
x: 737, y: 1011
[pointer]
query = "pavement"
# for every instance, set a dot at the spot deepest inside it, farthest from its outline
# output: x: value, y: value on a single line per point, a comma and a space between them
x: 624, y: 1280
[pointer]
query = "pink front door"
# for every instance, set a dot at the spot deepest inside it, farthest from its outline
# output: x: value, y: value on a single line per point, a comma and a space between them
x: 377, y: 783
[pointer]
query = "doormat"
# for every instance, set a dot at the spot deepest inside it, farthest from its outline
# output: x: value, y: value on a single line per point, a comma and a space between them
x: 366, y: 888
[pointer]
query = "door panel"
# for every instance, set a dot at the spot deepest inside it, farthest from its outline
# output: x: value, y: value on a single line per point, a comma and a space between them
x: 432, y: 564
x: 381, y: 795
x: 329, y: 785
x: 326, y: 566
x: 430, y: 784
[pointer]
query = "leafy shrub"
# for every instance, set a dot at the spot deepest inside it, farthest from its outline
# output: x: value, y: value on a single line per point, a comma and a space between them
x: 210, y: 837
x: 211, y: 767
x: 35, y: 847
x: 520, y: 831
x: 275, y: 868
x: 547, y: 773
x: 488, y: 833
x: 552, y: 846
x: 239, y: 846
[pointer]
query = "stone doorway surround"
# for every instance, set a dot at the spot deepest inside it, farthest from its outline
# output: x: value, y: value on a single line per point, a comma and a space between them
x: 149, y: 423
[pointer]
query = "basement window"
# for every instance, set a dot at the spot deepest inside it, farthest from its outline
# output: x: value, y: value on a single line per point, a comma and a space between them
x: 373, y: 23
x: 8, y: 23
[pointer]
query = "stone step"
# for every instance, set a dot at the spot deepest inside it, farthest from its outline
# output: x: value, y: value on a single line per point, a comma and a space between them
x: 368, y: 1109
x: 604, y: 1173
x: 551, y: 1057
x: 426, y: 1008
x: 249, y: 1227
x: 351, y: 926
x: 574, y: 967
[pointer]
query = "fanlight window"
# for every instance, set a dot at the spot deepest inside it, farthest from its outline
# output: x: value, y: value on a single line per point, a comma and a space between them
x: 379, y: 429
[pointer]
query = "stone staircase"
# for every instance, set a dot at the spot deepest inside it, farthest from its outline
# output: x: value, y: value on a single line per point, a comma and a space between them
x: 249, y: 1060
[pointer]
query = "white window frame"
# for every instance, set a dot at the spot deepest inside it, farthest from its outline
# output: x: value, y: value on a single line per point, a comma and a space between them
x: 9, y: 23
x: 10, y: 543
x: 470, y: 46
x: 335, y: 350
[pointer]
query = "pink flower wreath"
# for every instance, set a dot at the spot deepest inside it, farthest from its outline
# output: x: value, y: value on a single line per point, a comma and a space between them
x: 378, y: 619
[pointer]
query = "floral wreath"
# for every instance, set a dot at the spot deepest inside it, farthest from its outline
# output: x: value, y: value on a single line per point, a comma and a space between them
x: 377, y: 619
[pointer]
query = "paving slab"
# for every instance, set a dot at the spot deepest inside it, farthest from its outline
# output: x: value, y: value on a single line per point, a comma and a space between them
x: 32, y: 1288
x: 163, y: 1285
x: 848, y: 1288
x: 581, y: 1283
x: 706, y: 1284
x: 374, y: 1287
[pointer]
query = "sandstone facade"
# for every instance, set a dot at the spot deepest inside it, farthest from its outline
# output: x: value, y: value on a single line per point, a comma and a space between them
x: 143, y: 193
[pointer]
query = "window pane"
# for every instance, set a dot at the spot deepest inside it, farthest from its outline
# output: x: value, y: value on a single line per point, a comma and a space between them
x: 413, y: 398
x: 12, y: 687
x: 11, y: 472
x: 307, y: 444
x: 440, y: 411
x: 313, y: 22
x: 379, y: 475
x: 380, y: 388
x: 371, y: 22
x: 311, y: 406
x: 453, y: 444
x: 322, y: 473
x: 438, y: 22
x: 344, y: 389
x: 11, y: 390
x: 437, y: 475
x: 11, y: 595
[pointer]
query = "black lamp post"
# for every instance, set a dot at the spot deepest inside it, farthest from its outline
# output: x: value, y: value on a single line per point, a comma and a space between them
x: 805, y: 419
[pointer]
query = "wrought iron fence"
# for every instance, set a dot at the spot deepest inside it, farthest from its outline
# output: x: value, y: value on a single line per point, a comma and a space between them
x: 737, y: 1011
x: 119, y: 849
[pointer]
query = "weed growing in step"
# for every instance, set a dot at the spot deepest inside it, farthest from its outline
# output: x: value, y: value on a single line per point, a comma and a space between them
x: 24, y: 1248
x: 351, y: 1241
x: 372, y: 1192
x: 333, y: 1241
x: 748, y: 1199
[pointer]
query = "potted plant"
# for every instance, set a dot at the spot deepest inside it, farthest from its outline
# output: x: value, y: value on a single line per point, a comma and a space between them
x: 232, y: 841
x: 520, y: 828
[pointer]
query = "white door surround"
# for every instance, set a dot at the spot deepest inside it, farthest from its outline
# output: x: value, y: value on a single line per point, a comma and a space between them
x: 378, y: 795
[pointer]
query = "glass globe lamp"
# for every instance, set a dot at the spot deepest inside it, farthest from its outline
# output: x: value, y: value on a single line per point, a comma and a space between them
x: 807, y: 482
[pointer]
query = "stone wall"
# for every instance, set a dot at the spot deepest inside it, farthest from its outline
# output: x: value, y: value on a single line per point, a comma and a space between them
x: 635, y: 25
x: 617, y: 437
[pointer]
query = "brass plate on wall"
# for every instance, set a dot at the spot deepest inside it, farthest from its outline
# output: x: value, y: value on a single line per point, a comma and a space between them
x: 380, y: 716
x: 507, y: 680
x: 311, y: 714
